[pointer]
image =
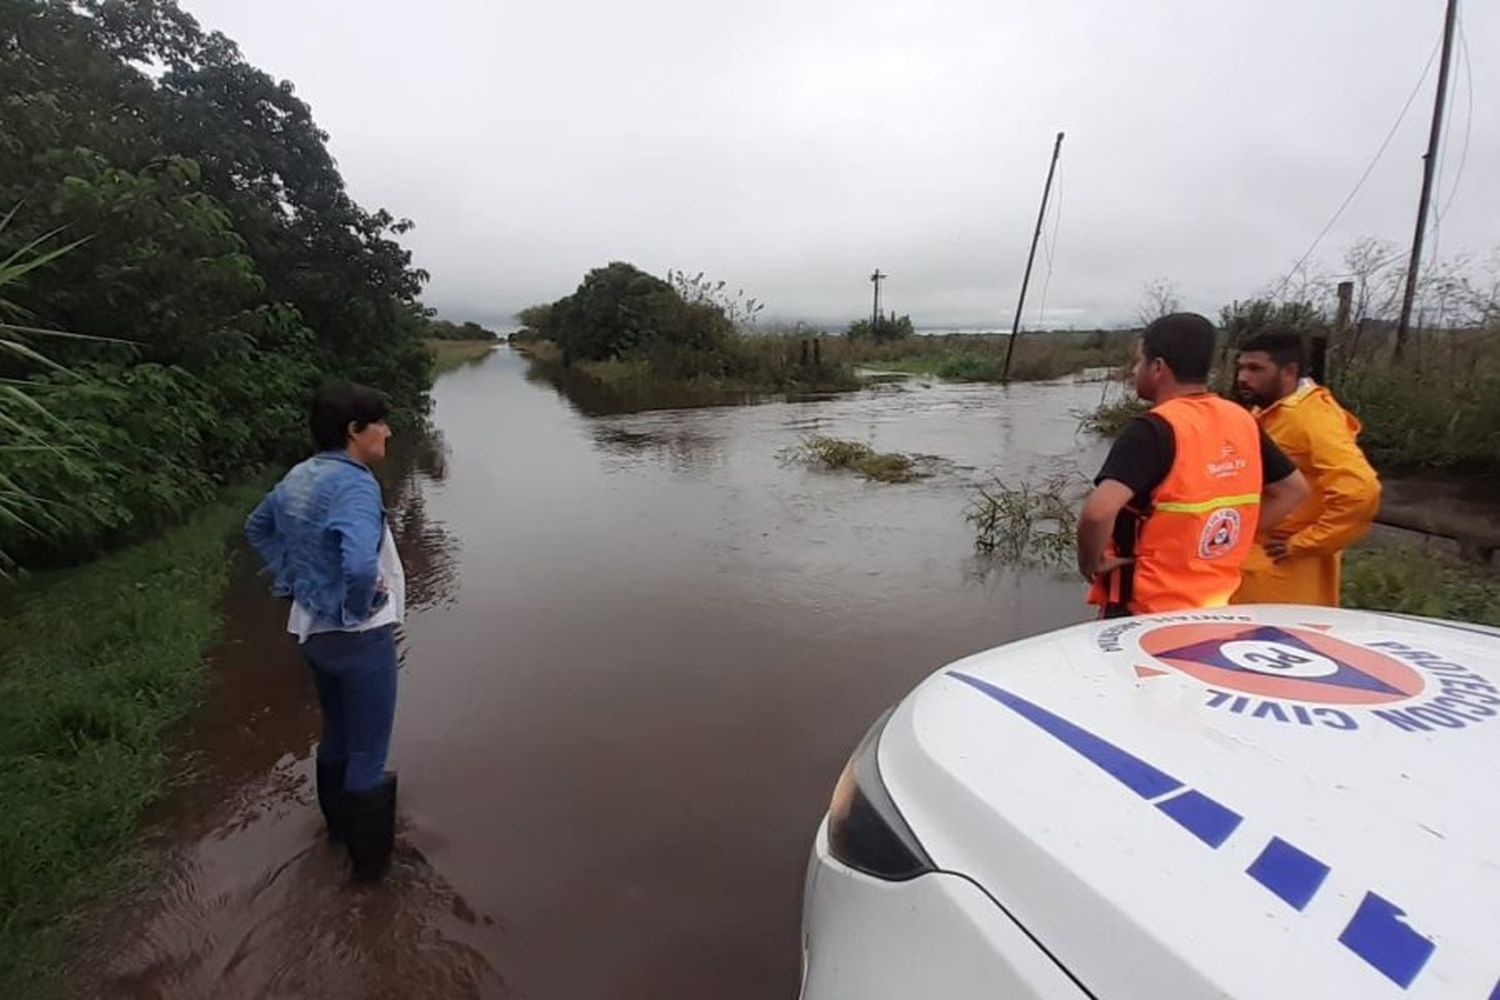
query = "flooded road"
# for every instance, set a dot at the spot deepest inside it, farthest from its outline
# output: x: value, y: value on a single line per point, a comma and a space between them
x: 639, y: 649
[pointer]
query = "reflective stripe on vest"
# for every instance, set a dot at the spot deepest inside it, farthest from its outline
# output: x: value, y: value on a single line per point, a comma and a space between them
x: 1241, y: 500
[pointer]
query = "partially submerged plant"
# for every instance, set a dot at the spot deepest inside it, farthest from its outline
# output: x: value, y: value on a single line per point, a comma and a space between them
x: 1027, y: 524
x: 831, y: 453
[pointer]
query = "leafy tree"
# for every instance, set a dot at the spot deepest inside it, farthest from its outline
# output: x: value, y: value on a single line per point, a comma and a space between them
x: 890, y: 327
x: 219, y: 251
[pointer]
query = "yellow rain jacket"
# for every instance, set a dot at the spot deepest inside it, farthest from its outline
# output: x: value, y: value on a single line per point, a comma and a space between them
x: 1317, y: 434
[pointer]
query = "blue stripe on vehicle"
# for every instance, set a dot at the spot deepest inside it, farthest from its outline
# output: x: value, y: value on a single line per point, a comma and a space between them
x: 1128, y: 769
x: 1209, y: 821
x: 1289, y: 872
x: 1378, y: 935
x: 1495, y: 993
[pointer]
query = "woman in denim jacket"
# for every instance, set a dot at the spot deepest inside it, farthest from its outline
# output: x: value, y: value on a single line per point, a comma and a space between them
x: 323, y: 536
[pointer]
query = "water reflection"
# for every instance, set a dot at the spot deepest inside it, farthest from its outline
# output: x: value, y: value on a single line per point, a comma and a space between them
x: 680, y: 444
x: 251, y: 899
x: 429, y: 551
x: 595, y: 399
x: 616, y: 739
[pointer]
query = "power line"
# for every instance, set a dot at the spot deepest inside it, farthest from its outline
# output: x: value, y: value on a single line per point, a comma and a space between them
x: 1050, y: 249
x: 1442, y: 166
x: 1364, y: 176
x: 1463, y: 156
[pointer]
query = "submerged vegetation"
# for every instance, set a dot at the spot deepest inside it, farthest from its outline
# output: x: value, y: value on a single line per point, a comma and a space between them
x: 1109, y: 418
x: 1026, y: 524
x: 839, y: 454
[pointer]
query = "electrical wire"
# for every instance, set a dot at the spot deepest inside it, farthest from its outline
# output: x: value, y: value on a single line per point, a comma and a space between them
x: 1049, y: 249
x: 1463, y: 155
x: 1385, y: 144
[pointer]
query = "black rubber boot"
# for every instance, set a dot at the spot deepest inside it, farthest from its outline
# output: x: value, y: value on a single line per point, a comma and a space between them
x: 370, y: 828
x: 331, y: 796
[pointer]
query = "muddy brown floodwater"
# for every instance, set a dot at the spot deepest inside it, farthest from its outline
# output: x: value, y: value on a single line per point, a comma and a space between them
x: 639, y: 650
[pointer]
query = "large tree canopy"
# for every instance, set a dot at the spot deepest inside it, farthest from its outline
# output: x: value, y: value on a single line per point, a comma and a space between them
x: 218, y: 238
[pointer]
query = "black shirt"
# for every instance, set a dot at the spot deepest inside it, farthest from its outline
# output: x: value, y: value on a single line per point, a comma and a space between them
x: 1143, y: 454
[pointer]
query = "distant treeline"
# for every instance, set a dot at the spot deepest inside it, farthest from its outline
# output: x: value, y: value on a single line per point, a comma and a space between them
x: 442, y: 329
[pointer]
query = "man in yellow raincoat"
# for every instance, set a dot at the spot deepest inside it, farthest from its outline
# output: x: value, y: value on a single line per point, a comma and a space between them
x: 1298, y: 561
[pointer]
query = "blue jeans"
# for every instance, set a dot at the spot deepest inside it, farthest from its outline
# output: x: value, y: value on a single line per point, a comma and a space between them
x: 355, y: 673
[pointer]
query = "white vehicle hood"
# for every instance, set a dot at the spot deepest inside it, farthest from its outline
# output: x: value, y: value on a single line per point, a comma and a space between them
x: 1259, y: 802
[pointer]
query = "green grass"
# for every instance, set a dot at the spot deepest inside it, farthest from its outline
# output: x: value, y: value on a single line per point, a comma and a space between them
x: 94, y: 663
x: 450, y: 354
x: 1417, y: 581
x: 837, y: 454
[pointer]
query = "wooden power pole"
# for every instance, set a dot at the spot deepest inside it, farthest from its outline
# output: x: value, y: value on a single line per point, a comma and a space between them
x: 877, y: 278
x: 1015, y: 327
x: 1429, y: 169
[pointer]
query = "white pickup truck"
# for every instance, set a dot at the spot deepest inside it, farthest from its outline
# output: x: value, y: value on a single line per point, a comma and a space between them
x: 1266, y: 802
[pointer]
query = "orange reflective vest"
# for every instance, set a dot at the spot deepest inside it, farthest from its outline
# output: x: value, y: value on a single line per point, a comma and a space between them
x: 1200, y: 525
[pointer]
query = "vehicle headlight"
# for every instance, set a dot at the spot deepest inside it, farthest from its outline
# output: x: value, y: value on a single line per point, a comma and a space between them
x: 865, y: 829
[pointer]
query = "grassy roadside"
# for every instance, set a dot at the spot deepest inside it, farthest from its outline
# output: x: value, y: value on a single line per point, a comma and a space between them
x: 94, y: 663
x: 1417, y: 581
x: 450, y: 354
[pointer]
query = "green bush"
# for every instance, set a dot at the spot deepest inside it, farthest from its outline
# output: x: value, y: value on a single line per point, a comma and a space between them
x: 970, y: 368
x: 883, y: 328
x: 1416, y: 421
x: 1413, y: 581
x: 213, y: 244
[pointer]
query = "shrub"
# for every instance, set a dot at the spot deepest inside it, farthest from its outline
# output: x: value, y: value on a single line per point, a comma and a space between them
x: 1426, y: 421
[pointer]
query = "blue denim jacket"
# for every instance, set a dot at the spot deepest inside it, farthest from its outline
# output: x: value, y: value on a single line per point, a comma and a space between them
x: 319, y: 532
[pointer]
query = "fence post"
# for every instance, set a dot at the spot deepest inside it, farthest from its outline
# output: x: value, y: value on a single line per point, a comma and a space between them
x: 1326, y: 349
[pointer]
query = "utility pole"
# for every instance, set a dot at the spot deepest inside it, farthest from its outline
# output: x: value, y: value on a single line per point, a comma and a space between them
x: 1429, y: 168
x: 877, y: 278
x: 1015, y: 327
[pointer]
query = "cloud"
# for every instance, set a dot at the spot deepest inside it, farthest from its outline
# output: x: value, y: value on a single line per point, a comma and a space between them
x: 791, y: 147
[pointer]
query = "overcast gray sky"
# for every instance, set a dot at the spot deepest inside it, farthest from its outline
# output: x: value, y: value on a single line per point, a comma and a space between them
x: 790, y: 146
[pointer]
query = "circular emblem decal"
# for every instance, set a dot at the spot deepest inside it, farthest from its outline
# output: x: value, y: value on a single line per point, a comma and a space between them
x: 1220, y: 534
x: 1280, y: 662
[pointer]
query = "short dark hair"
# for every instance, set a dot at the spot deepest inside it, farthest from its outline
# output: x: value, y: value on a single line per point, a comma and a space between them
x: 1185, y: 341
x: 1283, y: 345
x: 336, y: 405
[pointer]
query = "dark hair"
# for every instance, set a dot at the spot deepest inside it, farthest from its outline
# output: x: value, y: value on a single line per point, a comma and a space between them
x: 1283, y: 345
x: 337, y: 404
x: 1185, y: 341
